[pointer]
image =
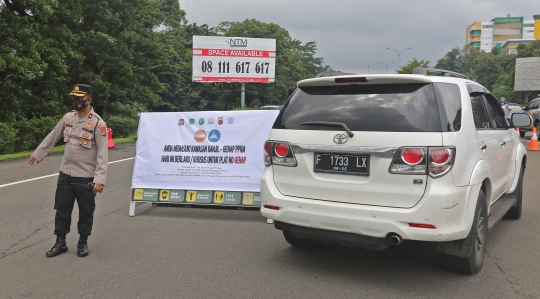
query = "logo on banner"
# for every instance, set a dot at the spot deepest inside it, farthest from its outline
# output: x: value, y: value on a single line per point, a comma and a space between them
x: 164, y: 195
x: 211, y: 120
x: 220, y: 120
x: 214, y: 136
x: 201, y: 121
x: 138, y: 194
x: 237, y: 42
x: 230, y: 120
x: 191, y: 121
x: 181, y: 122
x: 200, y: 135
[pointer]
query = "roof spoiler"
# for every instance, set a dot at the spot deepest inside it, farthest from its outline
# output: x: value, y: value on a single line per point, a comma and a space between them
x: 444, y: 73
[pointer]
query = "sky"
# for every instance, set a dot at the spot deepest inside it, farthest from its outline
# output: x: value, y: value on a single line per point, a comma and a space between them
x: 352, y: 35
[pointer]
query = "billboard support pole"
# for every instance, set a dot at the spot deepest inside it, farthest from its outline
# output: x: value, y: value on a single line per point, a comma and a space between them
x: 243, y: 96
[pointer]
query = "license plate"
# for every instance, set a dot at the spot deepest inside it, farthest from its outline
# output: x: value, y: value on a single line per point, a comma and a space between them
x: 343, y: 164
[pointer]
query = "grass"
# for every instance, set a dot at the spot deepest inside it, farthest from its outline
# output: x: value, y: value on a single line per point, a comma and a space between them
x: 60, y: 149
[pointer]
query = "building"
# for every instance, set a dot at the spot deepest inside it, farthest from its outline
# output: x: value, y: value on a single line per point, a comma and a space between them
x: 495, y: 33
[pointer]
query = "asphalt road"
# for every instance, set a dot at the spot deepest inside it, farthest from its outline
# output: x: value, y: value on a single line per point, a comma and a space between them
x: 180, y: 252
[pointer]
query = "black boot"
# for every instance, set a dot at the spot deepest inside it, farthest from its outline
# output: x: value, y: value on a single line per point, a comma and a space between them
x: 59, y: 247
x: 82, y: 249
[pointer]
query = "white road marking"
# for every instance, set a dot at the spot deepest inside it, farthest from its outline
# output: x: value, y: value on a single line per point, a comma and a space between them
x: 50, y: 175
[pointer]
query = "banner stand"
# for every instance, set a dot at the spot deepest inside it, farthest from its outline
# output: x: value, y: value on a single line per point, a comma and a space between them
x: 196, y: 198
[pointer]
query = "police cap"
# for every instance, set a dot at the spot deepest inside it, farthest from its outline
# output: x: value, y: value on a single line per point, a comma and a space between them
x: 80, y: 90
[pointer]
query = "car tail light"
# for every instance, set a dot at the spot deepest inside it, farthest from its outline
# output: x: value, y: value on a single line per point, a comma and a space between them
x: 421, y: 225
x: 279, y: 153
x: 409, y: 160
x: 413, y: 160
x: 441, y: 160
x: 281, y: 149
x: 350, y: 80
x: 412, y: 156
x: 267, y: 147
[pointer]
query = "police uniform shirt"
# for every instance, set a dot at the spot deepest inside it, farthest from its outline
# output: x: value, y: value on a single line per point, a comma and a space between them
x: 86, y: 153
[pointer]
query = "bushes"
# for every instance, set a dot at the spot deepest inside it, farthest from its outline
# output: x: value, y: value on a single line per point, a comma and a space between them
x: 8, y: 137
x: 122, y: 126
x: 32, y: 131
x: 25, y: 135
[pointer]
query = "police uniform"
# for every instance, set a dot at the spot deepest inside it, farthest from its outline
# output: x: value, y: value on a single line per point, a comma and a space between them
x: 84, y: 163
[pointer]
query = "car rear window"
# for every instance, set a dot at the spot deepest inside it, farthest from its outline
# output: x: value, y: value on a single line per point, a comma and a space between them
x: 378, y: 107
x: 450, y: 111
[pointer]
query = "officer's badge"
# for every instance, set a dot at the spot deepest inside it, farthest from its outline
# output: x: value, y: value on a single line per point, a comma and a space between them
x: 90, y: 116
x: 70, y: 121
x: 86, y: 135
x: 103, y: 129
x: 85, y: 142
x: 76, y: 88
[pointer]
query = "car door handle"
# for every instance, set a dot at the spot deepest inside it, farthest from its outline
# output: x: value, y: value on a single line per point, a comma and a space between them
x: 483, y: 147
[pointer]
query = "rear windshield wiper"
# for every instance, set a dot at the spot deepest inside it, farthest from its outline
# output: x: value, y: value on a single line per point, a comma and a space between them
x: 329, y: 124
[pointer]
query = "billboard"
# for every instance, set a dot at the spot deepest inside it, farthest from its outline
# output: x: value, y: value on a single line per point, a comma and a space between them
x: 527, y: 74
x: 233, y: 59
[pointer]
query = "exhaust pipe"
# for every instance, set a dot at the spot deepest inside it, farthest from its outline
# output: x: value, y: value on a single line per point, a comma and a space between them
x: 395, y: 239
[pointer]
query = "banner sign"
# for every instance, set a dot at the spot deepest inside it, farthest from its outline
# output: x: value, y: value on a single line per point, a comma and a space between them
x: 187, y: 156
x: 508, y: 20
x: 233, y: 59
x: 235, y: 198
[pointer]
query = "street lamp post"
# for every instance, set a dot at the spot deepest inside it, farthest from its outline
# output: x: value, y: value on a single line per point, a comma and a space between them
x: 386, y: 66
x: 398, y: 54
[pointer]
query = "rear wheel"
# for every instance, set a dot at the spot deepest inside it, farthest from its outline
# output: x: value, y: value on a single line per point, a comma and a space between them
x: 476, y: 241
x: 295, y: 241
x: 537, y: 125
x: 515, y: 211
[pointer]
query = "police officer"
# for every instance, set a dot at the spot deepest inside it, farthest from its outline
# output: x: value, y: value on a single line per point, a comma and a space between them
x: 83, y: 170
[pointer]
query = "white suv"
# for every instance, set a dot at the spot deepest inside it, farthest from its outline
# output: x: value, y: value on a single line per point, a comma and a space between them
x: 373, y: 160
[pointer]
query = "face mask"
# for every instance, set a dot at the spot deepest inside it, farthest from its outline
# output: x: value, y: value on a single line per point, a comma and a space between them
x: 79, y: 104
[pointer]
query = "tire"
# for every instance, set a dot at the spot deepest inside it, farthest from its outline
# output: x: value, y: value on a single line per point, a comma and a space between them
x: 521, y: 134
x: 297, y: 242
x: 476, y: 241
x: 537, y: 125
x: 515, y: 211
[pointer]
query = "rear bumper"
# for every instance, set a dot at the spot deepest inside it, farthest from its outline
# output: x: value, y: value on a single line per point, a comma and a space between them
x: 446, y: 208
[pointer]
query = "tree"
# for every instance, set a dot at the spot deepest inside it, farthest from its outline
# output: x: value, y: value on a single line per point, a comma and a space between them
x: 294, y: 61
x: 112, y: 45
x: 411, y: 65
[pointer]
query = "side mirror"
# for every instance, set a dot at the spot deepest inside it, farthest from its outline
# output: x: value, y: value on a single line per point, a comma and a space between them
x: 520, y: 120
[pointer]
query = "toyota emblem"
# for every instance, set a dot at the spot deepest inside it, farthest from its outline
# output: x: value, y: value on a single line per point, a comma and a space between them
x: 341, y: 138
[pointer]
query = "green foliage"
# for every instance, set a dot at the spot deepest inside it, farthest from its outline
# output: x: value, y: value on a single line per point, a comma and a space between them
x: 411, y: 65
x: 122, y: 126
x: 49, y: 45
x: 32, y: 131
x: 8, y: 137
x: 494, y: 70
